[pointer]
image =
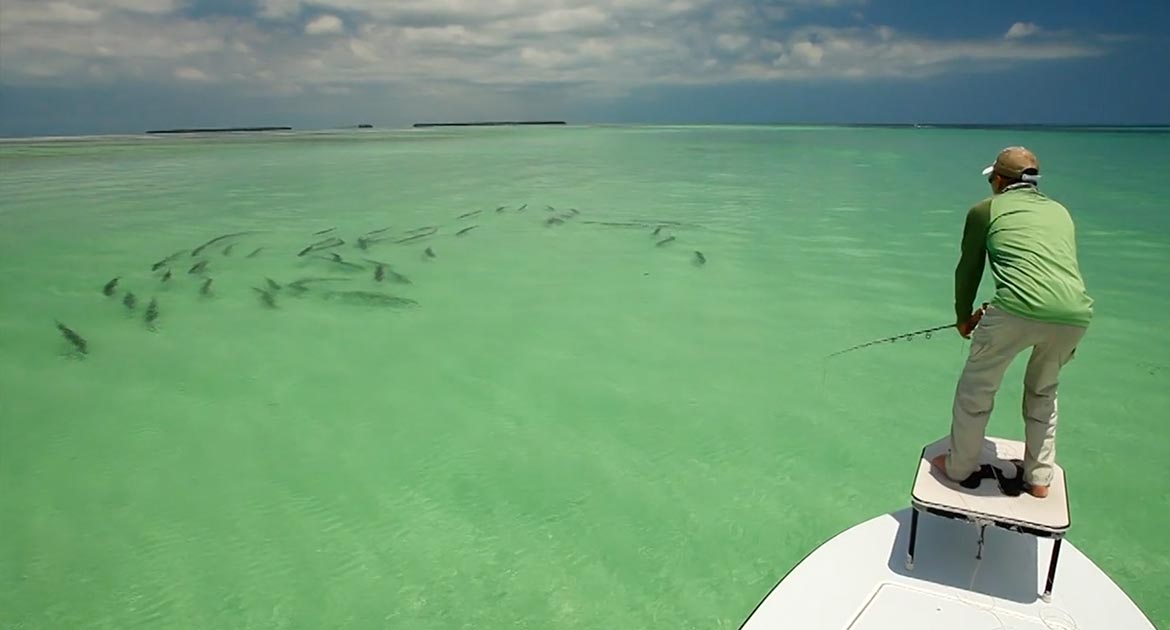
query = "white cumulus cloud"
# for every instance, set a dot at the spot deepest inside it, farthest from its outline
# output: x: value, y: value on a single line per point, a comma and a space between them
x: 1021, y: 29
x: 324, y: 25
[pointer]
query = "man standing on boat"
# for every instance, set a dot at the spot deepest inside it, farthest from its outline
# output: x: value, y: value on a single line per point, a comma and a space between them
x: 1040, y: 303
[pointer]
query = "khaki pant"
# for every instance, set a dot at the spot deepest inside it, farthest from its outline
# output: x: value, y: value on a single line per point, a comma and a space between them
x: 997, y: 340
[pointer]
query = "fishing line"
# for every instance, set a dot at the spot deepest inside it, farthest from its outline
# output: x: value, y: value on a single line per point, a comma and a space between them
x: 989, y: 608
x: 1053, y: 618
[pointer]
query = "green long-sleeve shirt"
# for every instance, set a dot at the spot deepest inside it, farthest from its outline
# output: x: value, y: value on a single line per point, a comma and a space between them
x: 1030, y: 241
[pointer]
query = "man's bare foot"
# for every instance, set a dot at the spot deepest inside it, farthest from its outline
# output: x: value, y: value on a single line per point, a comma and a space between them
x: 1037, y: 491
x: 940, y: 462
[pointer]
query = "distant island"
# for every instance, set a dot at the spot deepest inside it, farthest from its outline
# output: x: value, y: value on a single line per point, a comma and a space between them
x: 491, y: 123
x: 220, y: 130
x: 365, y: 126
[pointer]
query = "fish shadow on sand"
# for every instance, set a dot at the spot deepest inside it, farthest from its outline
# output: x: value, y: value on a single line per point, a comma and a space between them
x: 371, y: 298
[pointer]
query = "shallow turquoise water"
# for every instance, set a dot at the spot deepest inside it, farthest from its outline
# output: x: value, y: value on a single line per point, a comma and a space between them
x: 573, y: 427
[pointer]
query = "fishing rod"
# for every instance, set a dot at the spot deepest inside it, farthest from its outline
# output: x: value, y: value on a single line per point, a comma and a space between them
x: 925, y: 332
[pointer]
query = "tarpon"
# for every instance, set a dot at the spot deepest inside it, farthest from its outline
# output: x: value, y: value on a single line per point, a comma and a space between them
x: 416, y: 237
x: 195, y: 252
x: 322, y: 244
x: 163, y: 263
x: 384, y: 269
x: 266, y: 297
x: 372, y: 297
x: 638, y: 223
x: 152, y: 313
x: 376, y: 262
x: 623, y: 224
x: 301, y: 285
x: 335, y: 259
x: 364, y: 243
x: 78, y: 342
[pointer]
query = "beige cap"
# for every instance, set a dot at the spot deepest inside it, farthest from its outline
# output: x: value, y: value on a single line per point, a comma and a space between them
x: 1015, y: 163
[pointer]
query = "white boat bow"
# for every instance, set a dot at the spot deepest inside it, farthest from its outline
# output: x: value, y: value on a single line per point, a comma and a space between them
x: 981, y: 567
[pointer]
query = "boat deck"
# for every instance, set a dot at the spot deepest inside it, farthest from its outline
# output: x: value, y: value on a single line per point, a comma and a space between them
x: 982, y: 560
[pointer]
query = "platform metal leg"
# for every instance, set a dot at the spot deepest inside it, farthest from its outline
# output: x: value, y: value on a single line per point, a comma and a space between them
x: 913, y: 539
x: 982, y: 539
x: 1047, y: 596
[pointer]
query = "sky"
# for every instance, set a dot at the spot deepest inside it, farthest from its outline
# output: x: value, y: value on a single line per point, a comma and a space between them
x: 124, y: 66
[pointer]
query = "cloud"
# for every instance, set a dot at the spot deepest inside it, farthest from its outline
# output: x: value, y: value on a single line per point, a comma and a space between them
x: 49, y: 13
x: 1021, y: 29
x: 324, y: 25
x: 732, y: 42
x: 809, y: 53
x: 449, y: 46
x: 19, y: 12
x: 187, y: 73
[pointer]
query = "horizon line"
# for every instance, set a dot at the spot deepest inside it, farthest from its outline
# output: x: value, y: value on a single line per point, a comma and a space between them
x: 417, y: 126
